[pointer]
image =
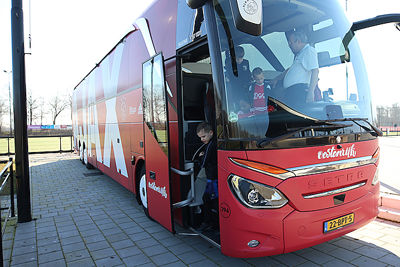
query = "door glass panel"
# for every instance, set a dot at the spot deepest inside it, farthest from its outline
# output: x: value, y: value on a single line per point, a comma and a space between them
x: 147, y: 92
x: 154, y: 101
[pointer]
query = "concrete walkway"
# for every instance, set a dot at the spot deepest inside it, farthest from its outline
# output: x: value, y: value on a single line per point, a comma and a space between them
x: 389, y: 160
x: 84, y: 218
x: 389, y: 178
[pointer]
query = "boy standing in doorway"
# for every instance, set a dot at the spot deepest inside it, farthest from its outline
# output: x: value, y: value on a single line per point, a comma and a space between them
x: 208, y: 163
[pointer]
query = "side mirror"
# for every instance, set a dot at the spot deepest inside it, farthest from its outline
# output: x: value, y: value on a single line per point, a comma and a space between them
x: 247, y: 15
x: 195, y: 4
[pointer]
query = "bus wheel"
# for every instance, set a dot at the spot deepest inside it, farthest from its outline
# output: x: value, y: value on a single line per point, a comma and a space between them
x: 85, y: 160
x: 143, y: 191
x: 80, y: 153
x: 88, y: 165
x: 84, y: 155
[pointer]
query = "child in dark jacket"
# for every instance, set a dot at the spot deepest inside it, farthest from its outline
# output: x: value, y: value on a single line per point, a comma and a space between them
x: 208, y: 163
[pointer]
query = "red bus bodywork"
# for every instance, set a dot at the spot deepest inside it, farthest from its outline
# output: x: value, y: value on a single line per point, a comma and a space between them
x: 109, y: 130
x: 298, y: 224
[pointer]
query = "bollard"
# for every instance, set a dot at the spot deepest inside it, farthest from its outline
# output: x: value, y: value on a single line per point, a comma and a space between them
x: 12, y: 188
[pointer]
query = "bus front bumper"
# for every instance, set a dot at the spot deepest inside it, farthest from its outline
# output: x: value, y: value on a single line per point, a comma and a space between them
x: 286, y: 230
x: 306, y: 229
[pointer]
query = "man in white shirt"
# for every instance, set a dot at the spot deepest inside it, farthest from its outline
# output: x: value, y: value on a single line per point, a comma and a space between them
x: 301, y: 78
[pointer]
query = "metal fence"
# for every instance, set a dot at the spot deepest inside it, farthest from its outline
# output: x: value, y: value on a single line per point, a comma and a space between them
x: 38, y: 144
x: 391, y: 133
x: 6, y: 176
x: 390, y: 130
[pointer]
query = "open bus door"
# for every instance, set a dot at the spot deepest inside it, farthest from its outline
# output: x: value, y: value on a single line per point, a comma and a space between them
x: 155, y: 189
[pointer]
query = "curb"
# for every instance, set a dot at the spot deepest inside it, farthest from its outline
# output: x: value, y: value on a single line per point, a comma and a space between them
x: 389, y: 207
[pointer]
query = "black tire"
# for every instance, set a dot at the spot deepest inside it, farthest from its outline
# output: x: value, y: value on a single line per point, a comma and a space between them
x: 142, y: 192
x: 89, y: 166
x: 81, y: 152
x: 86, y: 161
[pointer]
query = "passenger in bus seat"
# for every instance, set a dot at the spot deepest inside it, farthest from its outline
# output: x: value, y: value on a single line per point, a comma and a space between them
x: 239, y: 84
x: 244, y: 76
x: 208, y: 164
x: 300, y: 79
x: 245, y: 109
x: 259, y: 92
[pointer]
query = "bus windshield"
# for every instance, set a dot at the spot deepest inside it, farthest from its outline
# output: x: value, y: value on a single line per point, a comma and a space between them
x: 304, y: 72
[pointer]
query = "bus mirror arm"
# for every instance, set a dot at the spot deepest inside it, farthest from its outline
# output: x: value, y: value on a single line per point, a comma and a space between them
x: 189, y: 171
x: 378, y: 20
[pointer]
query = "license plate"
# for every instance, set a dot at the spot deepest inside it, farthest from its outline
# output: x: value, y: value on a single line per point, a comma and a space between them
x: 338, y: 222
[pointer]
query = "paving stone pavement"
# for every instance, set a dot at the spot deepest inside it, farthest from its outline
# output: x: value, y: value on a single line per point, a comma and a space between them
x: 93, y: 221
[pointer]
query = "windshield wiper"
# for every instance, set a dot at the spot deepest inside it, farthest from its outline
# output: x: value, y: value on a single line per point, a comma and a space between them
x: 375, y: 129
x: 228, y: 33
x: 327, y: 125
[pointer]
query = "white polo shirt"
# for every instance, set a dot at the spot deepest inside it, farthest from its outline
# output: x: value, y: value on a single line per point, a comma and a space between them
x: 300, y: 71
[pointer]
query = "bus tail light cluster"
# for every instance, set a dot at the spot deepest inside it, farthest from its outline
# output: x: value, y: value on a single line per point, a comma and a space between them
x: 256, y: 195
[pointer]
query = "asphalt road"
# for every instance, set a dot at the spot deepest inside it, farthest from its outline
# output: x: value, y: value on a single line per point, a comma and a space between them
x: 389, y: 161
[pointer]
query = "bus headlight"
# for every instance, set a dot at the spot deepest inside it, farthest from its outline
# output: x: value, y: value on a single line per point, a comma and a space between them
x: 256, y: 195
x: 376, y: 177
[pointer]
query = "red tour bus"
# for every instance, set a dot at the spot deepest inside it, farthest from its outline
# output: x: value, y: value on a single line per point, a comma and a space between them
x: 296, y: 175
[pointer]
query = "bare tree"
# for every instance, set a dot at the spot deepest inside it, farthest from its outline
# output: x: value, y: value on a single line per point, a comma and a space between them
x: 388, y: 116
x: 32, y: 104
x: 42, y: 110
x: 57, y: 105
x: 395, y: 114
x: 3, y: 110
x: 380, y: 114
x: 70, y: 103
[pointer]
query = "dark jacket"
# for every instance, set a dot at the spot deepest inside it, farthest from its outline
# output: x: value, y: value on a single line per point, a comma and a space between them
x: 209, y: 160
x: 243, y: 79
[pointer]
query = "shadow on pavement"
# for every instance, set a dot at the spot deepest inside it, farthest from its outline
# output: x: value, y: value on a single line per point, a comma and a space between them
x: 85, y: 218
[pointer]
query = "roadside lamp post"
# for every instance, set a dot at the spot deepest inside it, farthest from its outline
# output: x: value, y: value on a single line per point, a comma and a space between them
x: 20, y: 127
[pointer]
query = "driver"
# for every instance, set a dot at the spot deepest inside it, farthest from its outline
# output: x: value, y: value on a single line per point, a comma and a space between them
x: 300, y: 79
